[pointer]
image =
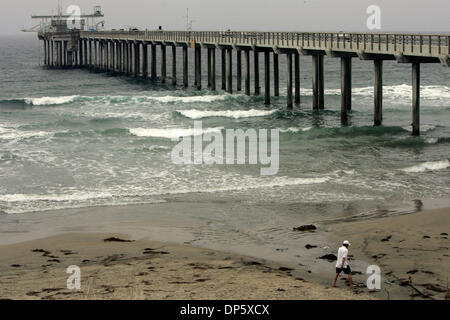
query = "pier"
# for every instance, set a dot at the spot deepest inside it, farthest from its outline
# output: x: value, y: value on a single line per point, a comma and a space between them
x: 128, y: 52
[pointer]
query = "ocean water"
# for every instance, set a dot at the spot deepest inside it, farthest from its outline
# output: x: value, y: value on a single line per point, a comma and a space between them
x: 75, y: 139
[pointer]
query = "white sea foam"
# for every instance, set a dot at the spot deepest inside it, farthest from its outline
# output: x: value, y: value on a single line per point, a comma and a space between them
x: 47, y: 101
x: 395, y: 92
x: 234, y: 114
x: 170, y: 133
x: 21, y: 203
x: 423, y: 128
x: 210, y: 98
x: 79, y: 196
x: 295, y: 130
x: 428, y: 166
x: 431, y: 140
x: 15, y: 134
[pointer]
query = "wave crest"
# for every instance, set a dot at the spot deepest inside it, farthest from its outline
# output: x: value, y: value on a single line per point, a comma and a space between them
x: 428, y: 166
x: 234, y: 114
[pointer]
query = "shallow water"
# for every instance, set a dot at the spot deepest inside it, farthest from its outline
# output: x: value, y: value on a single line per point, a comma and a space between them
x: 72, y: 139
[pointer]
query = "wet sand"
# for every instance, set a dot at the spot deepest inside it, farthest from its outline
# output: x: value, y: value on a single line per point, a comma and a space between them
x: 146, y: 270
x: 412, y: 251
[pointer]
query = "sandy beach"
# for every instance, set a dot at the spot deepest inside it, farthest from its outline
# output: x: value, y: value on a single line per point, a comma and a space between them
x: 146, y: 270
x: 412, y: 251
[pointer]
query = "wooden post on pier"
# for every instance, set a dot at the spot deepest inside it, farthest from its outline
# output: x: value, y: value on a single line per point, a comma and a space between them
x: 153, y: 62
x: 276, y: 75
x: 297, y: 77
x: 224, y: 70
x: 213, y: 69
x: 163, y: 64
x: 247, y: 71
x: 256, y: 71
x: 346, y: 88
x: 239, y: 69
x: 416, y: 99
x: 289, y: 80
x: 229, y: 71
x: 174, y: 65
x: 266, y: 77
x: 378, y: 92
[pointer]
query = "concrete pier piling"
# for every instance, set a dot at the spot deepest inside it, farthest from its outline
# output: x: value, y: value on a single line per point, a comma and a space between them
x: 318, y: 82
x: 239, y: 70
x: 297, y: 77
x: 289, y: 80
x: 153, y: 62
x: 224, y: 69
x: 198, y: 67
x: 137, y: 59
x: 120, y: 52
x: 213, y: 68
x: 346, y: 88
x: 247, y: 71
x: 315, y: 82
x: 256, y: 71
x: 163, y: 64
x: 321, y: 89
x: 144, y: 60
x: 416, y: 99
x: 174, y: 65
x: 378, y: 92
x: 276, y: 75
x: 185, y: 66
x: 229, y: 71
x: 208, y: 50
x: 266, y: 77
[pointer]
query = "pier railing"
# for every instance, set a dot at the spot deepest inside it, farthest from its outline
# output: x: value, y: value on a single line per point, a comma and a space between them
x: 427, y: 45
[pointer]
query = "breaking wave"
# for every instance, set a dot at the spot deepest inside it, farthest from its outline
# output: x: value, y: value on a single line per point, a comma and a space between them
x: 428, y: 166
x: 171, y: 133
x: 234, y: 114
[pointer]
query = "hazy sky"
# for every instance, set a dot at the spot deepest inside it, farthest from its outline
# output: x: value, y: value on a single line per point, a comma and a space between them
x: 289, y: 15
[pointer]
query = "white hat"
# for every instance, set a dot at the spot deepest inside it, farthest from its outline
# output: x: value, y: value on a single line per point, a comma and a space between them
x: 347, y: 242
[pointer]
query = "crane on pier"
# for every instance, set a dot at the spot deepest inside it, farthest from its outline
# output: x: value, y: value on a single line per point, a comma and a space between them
x: 59, y: 21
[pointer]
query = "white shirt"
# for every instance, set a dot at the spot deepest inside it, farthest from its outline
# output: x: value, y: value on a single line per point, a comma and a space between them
x: 342, y: 253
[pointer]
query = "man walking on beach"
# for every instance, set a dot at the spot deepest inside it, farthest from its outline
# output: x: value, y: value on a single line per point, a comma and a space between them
x: 342, y: 263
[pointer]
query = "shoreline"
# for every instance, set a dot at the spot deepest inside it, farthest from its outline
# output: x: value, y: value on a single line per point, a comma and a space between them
x: 163, y: 224
x: 146, y: 269
x: 411, y: 250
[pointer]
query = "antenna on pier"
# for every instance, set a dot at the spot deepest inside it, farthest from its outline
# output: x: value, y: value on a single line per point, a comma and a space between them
x: 188, y: 22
